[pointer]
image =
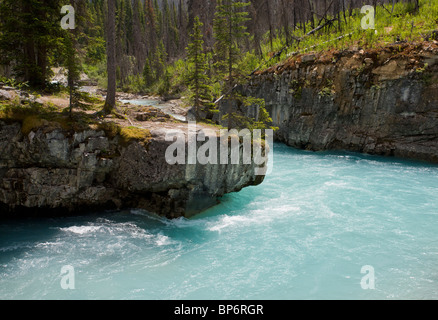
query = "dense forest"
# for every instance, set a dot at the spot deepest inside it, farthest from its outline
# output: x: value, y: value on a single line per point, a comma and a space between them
x: 172, y: 47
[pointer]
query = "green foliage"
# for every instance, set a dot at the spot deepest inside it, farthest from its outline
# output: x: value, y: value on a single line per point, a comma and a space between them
x: 229, y: 28
x: 96, y: 50
x: 73, y: 66
x: 29, y: 29
x: 12, y: 82
x: 97, y: 72
x: 198, y: 81
x: 249, y: 62
x: 148, y: 75
x: 164, y: 86
x: 421, y: 70
x: 325, y: 92
x: 403, y: 25
x: 238, y: 119
x: 295, y: 89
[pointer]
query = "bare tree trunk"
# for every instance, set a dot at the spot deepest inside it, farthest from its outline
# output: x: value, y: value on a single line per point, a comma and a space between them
x: 285, y: 21
x: 311, y: 15
x: 268, y: 12
x: 344, y: 9
x: 375, y: 8
x: 295, y: 16
x: 302, y: 16
x: 110, y: 102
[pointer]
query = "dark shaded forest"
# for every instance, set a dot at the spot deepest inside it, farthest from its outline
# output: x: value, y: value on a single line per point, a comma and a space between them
x: 151, y: 35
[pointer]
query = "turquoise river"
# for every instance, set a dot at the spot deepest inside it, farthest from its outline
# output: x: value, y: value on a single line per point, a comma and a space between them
x: 321, y: 226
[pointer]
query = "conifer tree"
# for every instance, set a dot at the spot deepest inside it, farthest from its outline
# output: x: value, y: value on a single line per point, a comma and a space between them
x: 229, y: 28
x: 160, y: 60
x: 29, y: 34
x: 148, y: 76
x: 110, y: 102
x: 72, y: 63
x: 198, y: 79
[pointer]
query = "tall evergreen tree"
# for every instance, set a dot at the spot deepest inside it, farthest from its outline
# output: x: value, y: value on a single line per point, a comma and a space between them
x: 72, y: 64
x: 148, y: 76
x: 198, y: 79
x: 29, y: 33
x: 229, y: 28
x: 73, y: 38
x: 110, y: 102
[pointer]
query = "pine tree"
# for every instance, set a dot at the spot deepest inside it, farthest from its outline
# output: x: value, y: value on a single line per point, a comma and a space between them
x: 160, y: 60
x: 148, y: 76
x: 71, y: 50
x: 151, y: 26
x: 229, y: 28
x: 72, y: 64
x: 29, y: 34
x: 139, y: 50
x: 110, y: 102
x: 198, y: 79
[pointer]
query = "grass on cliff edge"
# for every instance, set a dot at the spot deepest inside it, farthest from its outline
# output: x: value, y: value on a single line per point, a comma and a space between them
x: 48, y: 117
x: 404, y: 24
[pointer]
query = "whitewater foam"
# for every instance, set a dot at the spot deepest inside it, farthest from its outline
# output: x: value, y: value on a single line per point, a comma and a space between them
x: 81, y: 229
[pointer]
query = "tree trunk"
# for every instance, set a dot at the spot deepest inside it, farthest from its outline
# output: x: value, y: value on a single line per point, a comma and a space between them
x: 30, y: 60
x: 230, y: 66
x: 295, y: 16
x: 42, y: 64
x: 285, y: 21
x: 375, y: 8
x: 268, y: 13
x: 311, y: 15
x: 110, y: 102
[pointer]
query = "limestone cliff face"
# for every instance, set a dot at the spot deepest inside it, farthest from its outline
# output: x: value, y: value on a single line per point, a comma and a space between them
x: 381, y: 101
x: 51, y: 171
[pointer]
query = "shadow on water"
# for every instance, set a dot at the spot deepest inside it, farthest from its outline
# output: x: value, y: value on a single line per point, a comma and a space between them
x: 282, y: 149
x: 19, y: 236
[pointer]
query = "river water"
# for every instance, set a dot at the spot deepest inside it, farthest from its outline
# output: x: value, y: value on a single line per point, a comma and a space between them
x: 306, y: 233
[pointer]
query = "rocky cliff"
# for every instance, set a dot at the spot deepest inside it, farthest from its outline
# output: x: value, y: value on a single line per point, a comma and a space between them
x: 55, y: 171
x: 379, y: 101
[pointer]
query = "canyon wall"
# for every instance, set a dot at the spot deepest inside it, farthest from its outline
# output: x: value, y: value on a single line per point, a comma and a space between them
x: 379, y: 101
